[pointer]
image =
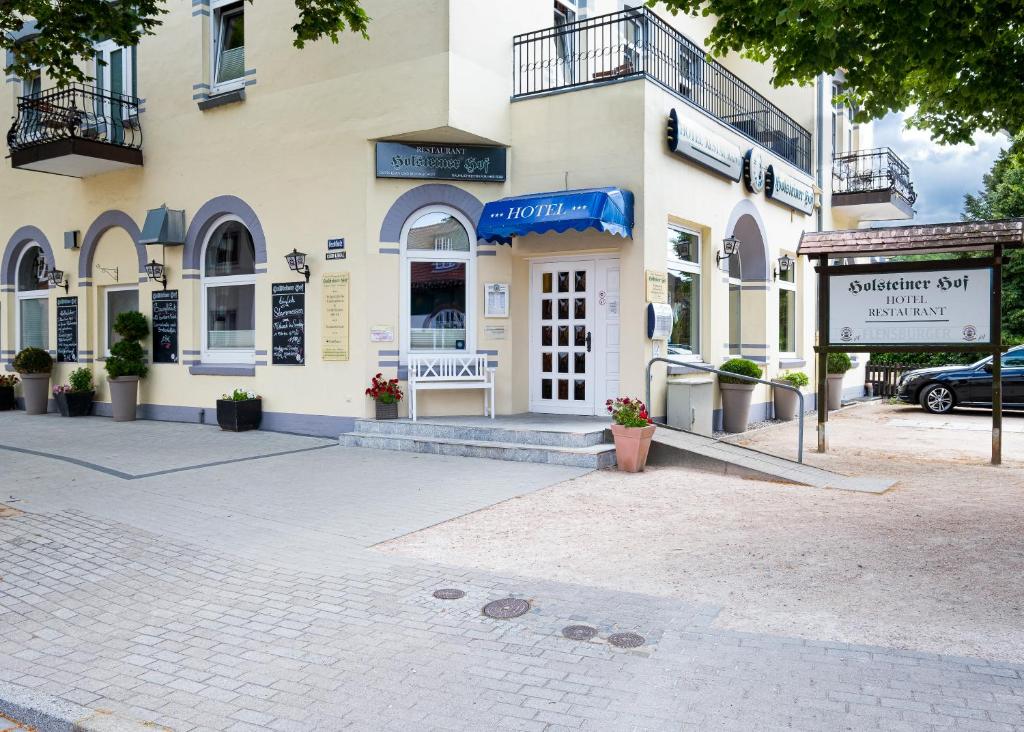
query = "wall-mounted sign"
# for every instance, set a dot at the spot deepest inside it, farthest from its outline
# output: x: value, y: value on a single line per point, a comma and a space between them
x: 335, y: 244
x: 334, y: 313
x: 288, y: 323
x: 657, y: 286
x: 693, y: 142
x: 382, y: 333
x: 67, y: 329
x: 935, y: 307
x: 788, y: 190
x: 494, y: 332
x: 496, y: 300
x: 755, y: 168
x: 165, y: 326
x: 441, y: 162
x: 335, y: 255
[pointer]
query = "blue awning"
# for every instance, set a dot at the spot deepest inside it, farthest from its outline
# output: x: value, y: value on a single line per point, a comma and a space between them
x: 605, y: 209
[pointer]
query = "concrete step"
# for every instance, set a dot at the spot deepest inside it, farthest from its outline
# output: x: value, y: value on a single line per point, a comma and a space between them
x: 582, y: 436
x: 587, y: 456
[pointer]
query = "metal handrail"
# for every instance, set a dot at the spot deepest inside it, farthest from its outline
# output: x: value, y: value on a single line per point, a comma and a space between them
x: 702, y: 367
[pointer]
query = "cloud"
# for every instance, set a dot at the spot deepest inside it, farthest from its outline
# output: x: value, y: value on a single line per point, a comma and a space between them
x: 942, y: 174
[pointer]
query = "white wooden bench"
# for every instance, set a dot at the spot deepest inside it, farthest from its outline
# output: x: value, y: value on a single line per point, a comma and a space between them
x: 450, y: 371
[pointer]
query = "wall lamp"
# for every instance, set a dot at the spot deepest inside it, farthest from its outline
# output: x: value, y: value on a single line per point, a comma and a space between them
x: 786, y: 263
x: 297, y: 263
x: 57, y: 279
x: 730, y: 247
x: 157, y: 272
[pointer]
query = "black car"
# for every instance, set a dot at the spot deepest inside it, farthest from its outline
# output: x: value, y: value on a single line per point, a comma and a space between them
x: 940, y: 389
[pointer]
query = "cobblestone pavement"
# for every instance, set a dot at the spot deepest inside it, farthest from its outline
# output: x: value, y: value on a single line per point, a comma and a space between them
x: 122, y: 626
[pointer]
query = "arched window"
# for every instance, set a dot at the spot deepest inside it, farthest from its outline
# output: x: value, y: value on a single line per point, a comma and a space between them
x: 437, y: 279
x: 229, y: 294
x: 32, y: 292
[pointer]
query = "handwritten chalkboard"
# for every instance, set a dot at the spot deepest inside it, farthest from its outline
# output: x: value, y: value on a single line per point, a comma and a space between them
x: 165, y: 326
x: 67, y: 329
x: 288, y: 323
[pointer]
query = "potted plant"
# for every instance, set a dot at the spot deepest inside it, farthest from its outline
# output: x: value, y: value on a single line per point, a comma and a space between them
x: 74, y: 399
x: 34, y: 366
x: 786, y: 401
x: 386, y: 394
x: 126, y: 364
x: 7, y: 384
x: 837, y: 366
x: 736, y: 393
x: 240, y: 410
x: 632, y: 429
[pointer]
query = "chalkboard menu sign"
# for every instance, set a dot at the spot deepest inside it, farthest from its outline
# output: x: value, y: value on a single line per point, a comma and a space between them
x: 67, y: 329
x: 165, y: 326
x: 288, y: 323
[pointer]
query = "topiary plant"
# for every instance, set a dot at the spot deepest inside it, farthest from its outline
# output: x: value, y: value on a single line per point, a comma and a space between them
x: 838, y: 363
x: 794, y: 378
x: 33, y: 360
x: 741, y: 366
x: 80, y: 379
x: 126, y: 356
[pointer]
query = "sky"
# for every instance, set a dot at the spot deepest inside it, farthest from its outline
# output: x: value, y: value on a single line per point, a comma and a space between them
x: 942, y: 174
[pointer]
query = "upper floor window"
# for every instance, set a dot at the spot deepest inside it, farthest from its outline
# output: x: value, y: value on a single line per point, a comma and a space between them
x: 228, y: 44
x: 683, y: 264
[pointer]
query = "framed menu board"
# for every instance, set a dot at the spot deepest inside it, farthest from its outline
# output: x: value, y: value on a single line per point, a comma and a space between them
x: 334, y: 313
x: 165, y: 326
x: 67, y: 329
x: 288, y: 323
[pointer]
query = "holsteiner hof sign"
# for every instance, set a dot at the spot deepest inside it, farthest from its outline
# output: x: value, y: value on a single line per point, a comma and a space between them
x: 441, y: 162
x: 943, y: 306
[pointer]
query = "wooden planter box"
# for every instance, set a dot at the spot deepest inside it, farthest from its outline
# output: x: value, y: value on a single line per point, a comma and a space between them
x: 387, y: 411
x: 74, y: 403
x: 239, y: 416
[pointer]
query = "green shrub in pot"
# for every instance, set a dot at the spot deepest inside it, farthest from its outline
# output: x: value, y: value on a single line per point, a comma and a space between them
x: 75, y: 399
x: 786, y: 402
x: 34, y: 365
x: 741, y: 366
x: 736, y: 393
x: 127, y: 364
x: 837, y: 365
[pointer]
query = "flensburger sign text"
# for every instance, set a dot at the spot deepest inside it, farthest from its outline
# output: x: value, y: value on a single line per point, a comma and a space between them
x: 784, y: 188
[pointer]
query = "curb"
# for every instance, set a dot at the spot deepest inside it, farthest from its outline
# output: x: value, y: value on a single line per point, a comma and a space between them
x: 47, y: 713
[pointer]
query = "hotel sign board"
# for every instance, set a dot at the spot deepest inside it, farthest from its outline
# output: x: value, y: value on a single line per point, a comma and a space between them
x: 694, y: 142
x: 436, y: 161
x: 788, y: 190
x: 912, y: 308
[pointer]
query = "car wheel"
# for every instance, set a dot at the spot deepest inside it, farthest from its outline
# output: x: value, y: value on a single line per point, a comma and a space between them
x: 937, y: 399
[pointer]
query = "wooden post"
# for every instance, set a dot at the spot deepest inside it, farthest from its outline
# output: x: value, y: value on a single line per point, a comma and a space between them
x: 822, y: 367
x: 997, y: 356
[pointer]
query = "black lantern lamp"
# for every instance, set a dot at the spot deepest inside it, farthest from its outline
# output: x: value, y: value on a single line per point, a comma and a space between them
x: 157, y: 272
x: 730, y: 247
x: 297, y: 263
x: 56, y: 279
x: 786, y: 264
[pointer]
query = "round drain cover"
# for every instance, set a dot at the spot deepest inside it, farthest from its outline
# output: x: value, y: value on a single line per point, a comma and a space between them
x: 510, y: 607
x: 449, y: 593
x: 626, y: 640
x: 579, y: 632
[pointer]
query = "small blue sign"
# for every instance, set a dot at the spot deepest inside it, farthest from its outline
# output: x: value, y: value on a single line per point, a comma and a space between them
x: 333, y: 244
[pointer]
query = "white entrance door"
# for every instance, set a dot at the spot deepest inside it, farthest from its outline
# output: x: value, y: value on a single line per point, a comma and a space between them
x: 569, y: 335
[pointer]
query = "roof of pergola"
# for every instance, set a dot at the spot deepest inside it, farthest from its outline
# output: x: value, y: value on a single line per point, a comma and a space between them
x: 961, y: 236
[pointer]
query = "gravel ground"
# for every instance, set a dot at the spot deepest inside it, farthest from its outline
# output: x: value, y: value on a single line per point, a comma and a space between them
x: 933, y: 565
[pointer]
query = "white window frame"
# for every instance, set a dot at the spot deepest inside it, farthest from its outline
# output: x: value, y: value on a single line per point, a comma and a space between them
x: 20, y: 295
x: 106, y: 312
x: 217, y: 15
x: 738, y: 282
x: 696, y: 268
x: 791, y: 287
x: 428, y: 255
x: 222, y: 355
x: 105, y: 48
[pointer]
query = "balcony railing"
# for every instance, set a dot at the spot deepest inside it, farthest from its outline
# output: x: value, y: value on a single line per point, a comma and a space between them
x: 868, y: 171
x: 637, y: 43
x: 76, y: 112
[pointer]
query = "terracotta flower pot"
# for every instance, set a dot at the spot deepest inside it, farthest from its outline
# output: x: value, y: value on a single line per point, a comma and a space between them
x: 785, y: 404
x: 631, y: 446
x: 36, y: 390
x: 386, y: 411
x: 835, y: 391
x: 735, y: 406
x: 124, y: 396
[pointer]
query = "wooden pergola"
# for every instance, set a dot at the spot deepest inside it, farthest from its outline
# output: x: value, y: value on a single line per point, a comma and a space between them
x: 989, y: 238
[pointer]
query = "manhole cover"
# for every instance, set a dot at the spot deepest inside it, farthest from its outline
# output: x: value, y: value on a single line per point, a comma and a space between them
x: 510, y: 607
x: 626, y: 640
x: 579, y: 632
x: 449, y: 593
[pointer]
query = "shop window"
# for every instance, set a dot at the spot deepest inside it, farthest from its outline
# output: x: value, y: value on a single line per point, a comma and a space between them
x: 228, y: 45
x: 735, y: 304
x: 229, y: 295
x: 437, y: 278
x: 684, y: 276
x: 117, y: 300
x: 32, y: 292
x: 787, y: 312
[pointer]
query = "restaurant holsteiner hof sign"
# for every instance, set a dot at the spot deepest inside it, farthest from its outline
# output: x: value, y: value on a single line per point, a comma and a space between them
x: 441, y: 162
x: 939, y: 307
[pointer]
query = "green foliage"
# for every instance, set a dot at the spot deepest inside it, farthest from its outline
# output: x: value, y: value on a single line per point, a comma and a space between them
x: 951, y: 61
x: 742, y: 367
x: 922, y: 360
x: 80, y: 379
x: 795, y: 378
x: 838, y: 363
x: 33, y: 361
x: 241, y: 395
x: 126, y: 356
x: 68, y: 29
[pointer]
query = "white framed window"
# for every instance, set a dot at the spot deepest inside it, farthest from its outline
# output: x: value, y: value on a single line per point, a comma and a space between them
x: 117, y: 299
x: 787, y: 310
x: 684, y: 290
x: 32, y: 293
x: 735, y: 304
x: 228, y: 279
x: 228, y: 53
x: 438, y: 282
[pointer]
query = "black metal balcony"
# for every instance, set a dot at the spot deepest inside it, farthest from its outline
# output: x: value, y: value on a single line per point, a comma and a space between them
x: 76, y: 130
x: 637, y: 43
x: 873, y: 185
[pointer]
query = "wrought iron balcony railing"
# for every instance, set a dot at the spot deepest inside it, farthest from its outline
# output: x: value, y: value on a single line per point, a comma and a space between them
x: 867, y: 171
x: 637, y: 43
x: 76, y: 112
